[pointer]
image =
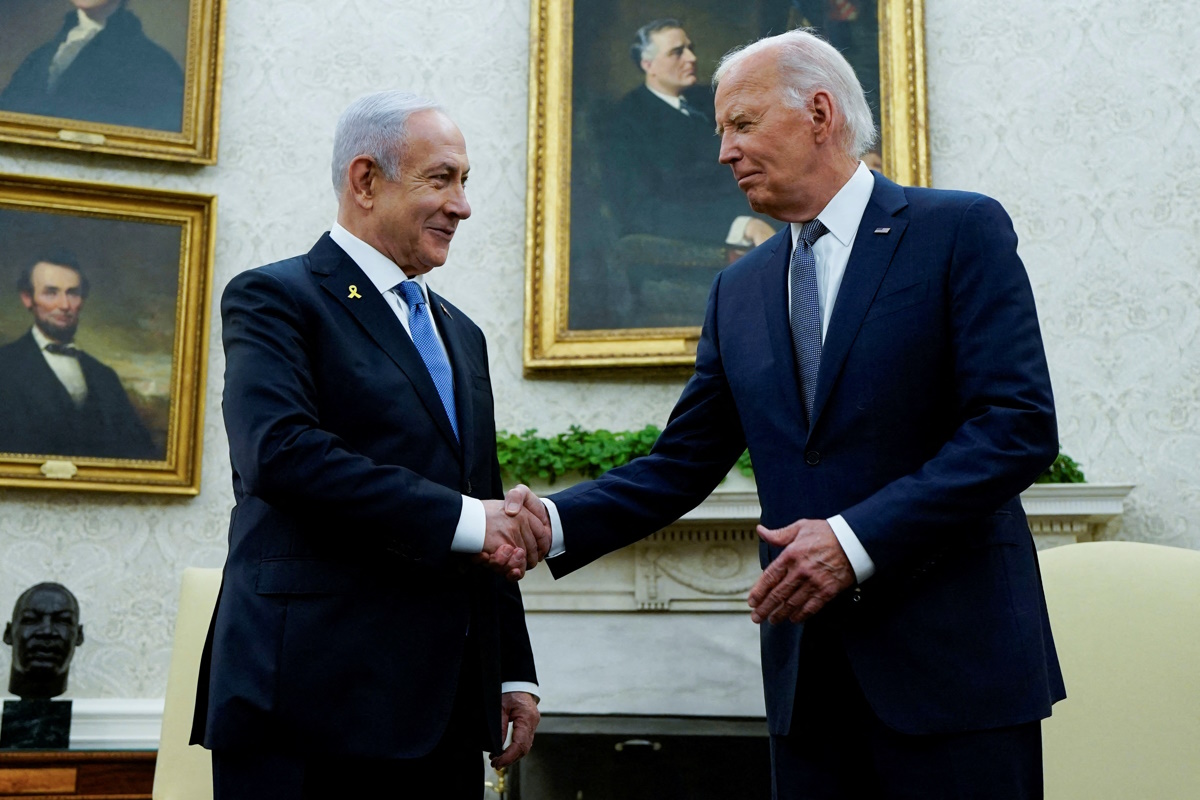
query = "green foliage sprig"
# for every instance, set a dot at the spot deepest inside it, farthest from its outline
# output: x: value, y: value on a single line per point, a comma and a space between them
x: 527, y: 456
x: 1063, y: 470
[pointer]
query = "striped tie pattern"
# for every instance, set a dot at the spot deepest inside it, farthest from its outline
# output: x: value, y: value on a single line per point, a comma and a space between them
x: 806, y: 312
x: 421, y: 327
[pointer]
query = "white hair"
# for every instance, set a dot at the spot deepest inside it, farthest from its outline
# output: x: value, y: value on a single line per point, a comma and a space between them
x: 808, y: 64
x: 375, y: 125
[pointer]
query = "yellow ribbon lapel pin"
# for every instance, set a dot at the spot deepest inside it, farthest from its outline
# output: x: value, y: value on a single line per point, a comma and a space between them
x: 354, y: 295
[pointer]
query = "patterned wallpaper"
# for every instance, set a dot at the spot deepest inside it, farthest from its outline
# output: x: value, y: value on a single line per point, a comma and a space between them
x: 1078, y: 116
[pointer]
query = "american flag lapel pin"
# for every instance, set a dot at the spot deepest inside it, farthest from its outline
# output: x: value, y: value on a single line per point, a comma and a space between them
x: 883, y: 230
x: 444, y: 311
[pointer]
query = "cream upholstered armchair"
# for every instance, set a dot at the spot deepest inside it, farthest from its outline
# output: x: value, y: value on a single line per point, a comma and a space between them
x: 184, y: 772
x: 1126, y: 621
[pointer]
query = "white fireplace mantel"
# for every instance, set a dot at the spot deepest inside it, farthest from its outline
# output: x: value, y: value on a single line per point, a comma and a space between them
x: 709, y: 559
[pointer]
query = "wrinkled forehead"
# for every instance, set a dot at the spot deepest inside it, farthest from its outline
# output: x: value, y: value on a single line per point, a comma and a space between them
x: 746, y: 91
x: 668, y: 38
x: 432, y: 140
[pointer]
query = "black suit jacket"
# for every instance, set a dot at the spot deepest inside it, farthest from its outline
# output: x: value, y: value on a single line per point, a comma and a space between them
x: 37, y: 415
x: 663, y: 176
x: 120, y: 77
x: 933, y: 411
x: 342, y: 618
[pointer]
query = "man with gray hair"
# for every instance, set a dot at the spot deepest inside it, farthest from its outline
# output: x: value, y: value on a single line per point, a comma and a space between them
x: 369, y: 631
x: 881, y: 359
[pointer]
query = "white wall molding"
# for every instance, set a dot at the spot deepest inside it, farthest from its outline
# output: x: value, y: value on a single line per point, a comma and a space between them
x: 115, y: 723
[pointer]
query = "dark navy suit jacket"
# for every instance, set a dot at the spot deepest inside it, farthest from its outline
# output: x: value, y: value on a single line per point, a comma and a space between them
x: 37, y: 415
x: 342, y: 618
x: 933, y: 412
x: 120, y: 78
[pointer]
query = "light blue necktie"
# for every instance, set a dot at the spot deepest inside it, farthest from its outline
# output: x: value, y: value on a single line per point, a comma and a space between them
x: 806, y: 312
x: 421, y: 328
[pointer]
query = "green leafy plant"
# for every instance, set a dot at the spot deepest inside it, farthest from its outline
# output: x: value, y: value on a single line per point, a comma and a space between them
x: 1063, y: 470
x: 526, y: 456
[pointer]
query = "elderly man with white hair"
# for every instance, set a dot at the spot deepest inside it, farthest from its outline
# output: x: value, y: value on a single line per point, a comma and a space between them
x: 881, y: 359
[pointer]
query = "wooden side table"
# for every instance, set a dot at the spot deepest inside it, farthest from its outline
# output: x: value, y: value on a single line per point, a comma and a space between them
x: 62, y: 774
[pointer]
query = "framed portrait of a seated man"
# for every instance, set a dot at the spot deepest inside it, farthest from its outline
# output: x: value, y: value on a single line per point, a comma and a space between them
x: 132, y: 77
x: 629, y: 214
x: 104, y: 303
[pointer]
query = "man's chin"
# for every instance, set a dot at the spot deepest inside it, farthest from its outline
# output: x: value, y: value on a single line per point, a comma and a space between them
x: 59, y: 333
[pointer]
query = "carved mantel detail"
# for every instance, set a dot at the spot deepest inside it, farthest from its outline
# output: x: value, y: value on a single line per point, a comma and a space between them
x: 709, y: 559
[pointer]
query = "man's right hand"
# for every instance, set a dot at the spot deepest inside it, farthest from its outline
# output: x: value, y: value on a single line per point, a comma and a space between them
x: 517, y: 533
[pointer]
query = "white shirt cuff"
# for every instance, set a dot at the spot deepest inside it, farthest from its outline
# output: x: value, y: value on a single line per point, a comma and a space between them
x: 521, y: 686
x: 862, y: 564
x: 557, y: 545
x: 472, y: 525
x: 737, y: 233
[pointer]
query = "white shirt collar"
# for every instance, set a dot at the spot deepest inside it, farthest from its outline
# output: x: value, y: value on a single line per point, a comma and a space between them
x: 381, y: 270
x: 671, y: 100
x: 844, y: 213
x: 86, y: 26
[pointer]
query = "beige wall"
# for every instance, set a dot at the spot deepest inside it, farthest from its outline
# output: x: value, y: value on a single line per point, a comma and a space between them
x: 1079, y: 118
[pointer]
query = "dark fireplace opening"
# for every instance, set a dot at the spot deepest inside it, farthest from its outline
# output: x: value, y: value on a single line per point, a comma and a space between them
x: 629, y: 757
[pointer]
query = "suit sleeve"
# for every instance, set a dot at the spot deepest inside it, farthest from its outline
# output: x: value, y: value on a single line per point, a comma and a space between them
x: 1007, y: 433
x: 282, y: 455
x: 699, y: 446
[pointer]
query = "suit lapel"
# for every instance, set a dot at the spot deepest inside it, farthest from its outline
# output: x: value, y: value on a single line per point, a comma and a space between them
x: 456, y: 349
x: 377, y: 318
x: 773, y: 288
x: 869, y: 261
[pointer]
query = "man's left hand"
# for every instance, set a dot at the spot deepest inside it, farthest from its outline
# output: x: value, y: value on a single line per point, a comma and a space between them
x: 811, y: 571
x: 520, y: 708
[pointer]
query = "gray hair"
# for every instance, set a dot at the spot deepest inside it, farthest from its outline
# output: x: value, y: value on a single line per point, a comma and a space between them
x: 643, y: 47
x: 807, y: 64
x: 375, y: 125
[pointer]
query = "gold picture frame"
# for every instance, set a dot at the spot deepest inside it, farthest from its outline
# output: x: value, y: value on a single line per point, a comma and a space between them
x: 118, y: 279
x: 147, y: 85
x: 566, y: 326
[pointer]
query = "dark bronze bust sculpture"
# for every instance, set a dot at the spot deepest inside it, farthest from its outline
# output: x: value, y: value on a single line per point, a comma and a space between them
x: 44, y: 633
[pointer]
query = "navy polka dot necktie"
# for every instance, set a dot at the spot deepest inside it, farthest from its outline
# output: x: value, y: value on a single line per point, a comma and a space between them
x: 805, y: 315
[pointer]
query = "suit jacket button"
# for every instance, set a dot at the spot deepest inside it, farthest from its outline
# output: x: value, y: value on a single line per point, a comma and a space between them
x: 812, y: 458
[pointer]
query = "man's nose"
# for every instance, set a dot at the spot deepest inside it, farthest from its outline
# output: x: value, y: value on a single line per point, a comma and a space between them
x: 458, y: 205
x: 729, y: 151
x: 689, y: 55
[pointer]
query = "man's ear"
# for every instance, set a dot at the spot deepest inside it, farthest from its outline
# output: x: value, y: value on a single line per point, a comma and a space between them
x: 822, y: 110
x: 79, y: 636
x: 27, y: 300
x: 8, y: 633
x: 646, y: 65
x: 361, y: 176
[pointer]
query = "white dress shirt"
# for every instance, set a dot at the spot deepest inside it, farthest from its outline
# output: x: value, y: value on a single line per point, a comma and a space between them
x: 841, y: 217
x: 831, y: 252
x: 385, y: 276
x: 65, y: 367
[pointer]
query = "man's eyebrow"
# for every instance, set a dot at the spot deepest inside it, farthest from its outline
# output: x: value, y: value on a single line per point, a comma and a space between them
x: 730, y: 118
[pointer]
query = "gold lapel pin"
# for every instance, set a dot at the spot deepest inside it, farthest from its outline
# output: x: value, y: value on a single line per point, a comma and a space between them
x: 444, y: 311
x: 354, y: 295
x: 883, y: 230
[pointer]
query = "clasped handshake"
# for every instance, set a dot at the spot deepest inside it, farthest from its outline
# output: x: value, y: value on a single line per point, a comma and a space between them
x: 517, y: 534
